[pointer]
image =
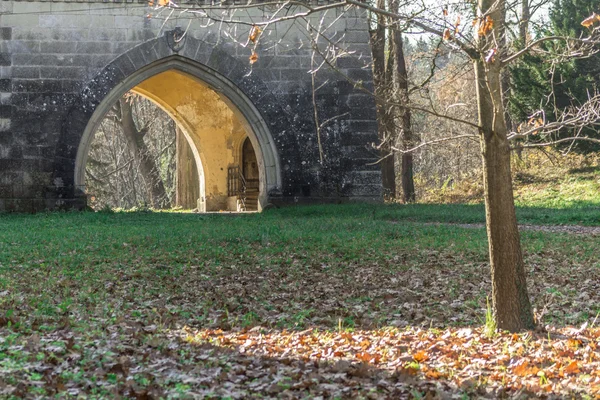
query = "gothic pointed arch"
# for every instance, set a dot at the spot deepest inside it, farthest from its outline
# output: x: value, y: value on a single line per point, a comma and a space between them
x: 269, y: 126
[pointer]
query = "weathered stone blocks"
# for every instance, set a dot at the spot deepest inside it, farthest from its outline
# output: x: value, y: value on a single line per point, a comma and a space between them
x: 57, y: 67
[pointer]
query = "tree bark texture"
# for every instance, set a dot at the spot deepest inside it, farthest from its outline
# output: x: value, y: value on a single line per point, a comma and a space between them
x: 402, y: 114
x: 187, y: 190
x: 135, y: 139
x: 382, y: 88
x: 524, y: 23
x: 511, y: 306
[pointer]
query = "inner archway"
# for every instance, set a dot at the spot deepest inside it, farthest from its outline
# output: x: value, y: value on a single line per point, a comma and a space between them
x: 251, y: 176
x: 212, y: 117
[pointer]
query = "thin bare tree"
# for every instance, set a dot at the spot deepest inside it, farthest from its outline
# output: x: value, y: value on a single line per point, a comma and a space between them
x: 486, y: 44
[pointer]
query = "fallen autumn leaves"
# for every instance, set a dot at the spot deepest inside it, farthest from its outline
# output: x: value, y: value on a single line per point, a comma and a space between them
x: 128, y: 308
x: 412, y: 360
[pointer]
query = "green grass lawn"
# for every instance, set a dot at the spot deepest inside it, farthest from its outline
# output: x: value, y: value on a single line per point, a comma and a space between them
x: 135, y: 304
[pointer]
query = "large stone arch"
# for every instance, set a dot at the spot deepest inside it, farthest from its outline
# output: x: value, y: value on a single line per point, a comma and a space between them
x: 267, y: 123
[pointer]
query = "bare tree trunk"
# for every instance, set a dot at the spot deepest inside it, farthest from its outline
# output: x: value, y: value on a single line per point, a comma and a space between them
x: 512, y: 309
x: 524, y: 23
x: 135, y: 139
x: 382, y: 90
x: 403, y: 119
x: 188, y: 183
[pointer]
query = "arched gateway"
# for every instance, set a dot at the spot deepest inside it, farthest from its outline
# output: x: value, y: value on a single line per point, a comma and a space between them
x: 59, y: 82
x: 194, y: 96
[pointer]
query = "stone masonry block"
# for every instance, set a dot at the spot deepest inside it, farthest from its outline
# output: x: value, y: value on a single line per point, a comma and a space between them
x: 24, y: 46
x: 65, y: 21
x: 30, y: 8
x: 5, y: 33
x: 6, y: 111
x: 137, y: 58
x: 57, y: 47
x: 5, y: 59
x: 125, y: 65
x: 93, y: 47
x: 63, y: 72
x: 26, y: 72
x: 19, y: 20
x: 110, y: 34
x: 4, y: 124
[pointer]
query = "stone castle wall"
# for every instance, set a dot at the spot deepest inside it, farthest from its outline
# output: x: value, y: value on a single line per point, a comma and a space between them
x: 58, y: 60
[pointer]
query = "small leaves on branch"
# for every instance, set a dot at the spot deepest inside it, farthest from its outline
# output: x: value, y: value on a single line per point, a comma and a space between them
x: 254, y: 33
x: 536, y: 122
x: 486, y: 24
x: 158, y: 3
x: 253, y: 57
x: 455, y: 27
x: 447, y: 34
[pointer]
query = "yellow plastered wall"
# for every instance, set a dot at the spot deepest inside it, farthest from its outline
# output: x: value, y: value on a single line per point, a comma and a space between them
x: 210, y: 124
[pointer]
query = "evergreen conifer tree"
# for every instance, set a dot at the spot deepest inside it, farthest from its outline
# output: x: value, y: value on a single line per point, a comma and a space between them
x: 538, y: 84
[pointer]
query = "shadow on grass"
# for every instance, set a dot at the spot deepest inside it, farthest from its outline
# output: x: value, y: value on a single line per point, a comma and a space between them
x: 584, y: 170
x: 578, y: 213
x: 236, y: 373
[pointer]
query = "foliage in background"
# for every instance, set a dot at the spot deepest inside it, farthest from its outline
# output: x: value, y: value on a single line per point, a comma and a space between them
x: 113, y: 177
x: 542, y: 178
x: 449, y: 89
x: 545, y: 81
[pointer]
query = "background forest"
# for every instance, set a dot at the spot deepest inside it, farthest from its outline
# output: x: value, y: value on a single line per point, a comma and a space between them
x: 133, y: 165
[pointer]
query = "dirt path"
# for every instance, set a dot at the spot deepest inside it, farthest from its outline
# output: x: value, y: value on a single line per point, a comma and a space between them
x: 572, y: 229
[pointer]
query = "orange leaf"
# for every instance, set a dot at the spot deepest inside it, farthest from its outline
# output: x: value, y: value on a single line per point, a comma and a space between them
x: 486, y: 26
x: 253, y: 58
x: 572, y: 368
x: 591, y: 20
x: 368, y: 357
x: 521, y: 368
x: 420, y: 356
x: 445, y: 11
x: 447, y: 35
x: 457, y: 24
x: 254, y: 33
x: 433, y: 374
